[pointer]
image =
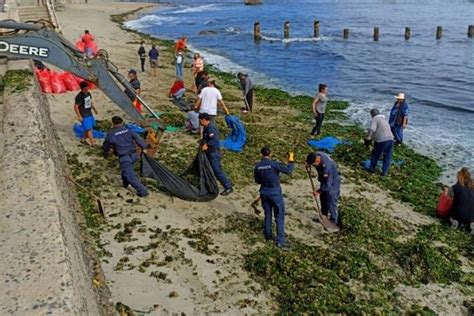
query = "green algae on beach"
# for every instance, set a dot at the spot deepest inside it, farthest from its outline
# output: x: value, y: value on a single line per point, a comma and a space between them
x: 358, y: 270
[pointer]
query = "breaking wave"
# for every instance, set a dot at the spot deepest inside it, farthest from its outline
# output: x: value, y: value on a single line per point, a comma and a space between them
x: 202, y: 8
x: 150, y: 21
x: 232, y: 30
x: 225, y: 64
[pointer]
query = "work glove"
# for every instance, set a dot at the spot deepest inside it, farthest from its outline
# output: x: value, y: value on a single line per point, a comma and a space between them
x: 291, y: 156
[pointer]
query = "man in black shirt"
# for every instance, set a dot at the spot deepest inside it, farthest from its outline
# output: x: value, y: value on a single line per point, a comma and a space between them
x: 203, y: 81
x: 142, y: 54
x: 83, y: 106
x: 135, y: 83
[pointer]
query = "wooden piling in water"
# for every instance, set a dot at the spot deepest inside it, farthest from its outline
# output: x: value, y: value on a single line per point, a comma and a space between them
x: 316, y: 29
x: 407, y: 33
x: 257, y: 36
x: 439, y: 32
x: 470, y: 31
x: 286, y: 29
x: 346, y: 33
x: 376, y: 34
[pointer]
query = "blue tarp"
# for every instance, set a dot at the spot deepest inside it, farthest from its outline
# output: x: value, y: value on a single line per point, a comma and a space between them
x: 235, y: 141
x: 395, y: 163
x: 325, y: 144
x: 134, y: 127
x: 79, y: 131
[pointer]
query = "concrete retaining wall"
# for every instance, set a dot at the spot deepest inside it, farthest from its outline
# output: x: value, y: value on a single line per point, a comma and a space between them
x: 45, y: 266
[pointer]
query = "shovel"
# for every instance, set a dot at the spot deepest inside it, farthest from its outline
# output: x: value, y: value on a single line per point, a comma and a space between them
x: 327, y: 224
x: 99, y: 202
x: 254, y: 206
x: 247, y: 107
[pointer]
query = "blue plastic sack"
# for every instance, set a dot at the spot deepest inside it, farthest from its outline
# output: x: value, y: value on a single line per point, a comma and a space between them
x: 79, y: 132
x: 327, y: 144
x: 394, y: 163
x: 237, y: 138
x: 134, y: 127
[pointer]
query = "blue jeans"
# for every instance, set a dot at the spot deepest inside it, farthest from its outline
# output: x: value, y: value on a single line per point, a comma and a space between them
x: 397, y: 132
x: 382, y: 148
x: 89, y: 52
x: 128, y: 174
x: 215, y: 161
x: 273, y: 204
x: 329, y: 204
x: 180, y: 93
x: 179, y: 70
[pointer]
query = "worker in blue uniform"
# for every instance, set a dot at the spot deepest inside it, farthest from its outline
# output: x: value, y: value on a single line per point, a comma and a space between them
x: 211, y: 146
x: 267, y: 174
x: 123, y: 143
x: 328, y: 177
x: 398, y: 119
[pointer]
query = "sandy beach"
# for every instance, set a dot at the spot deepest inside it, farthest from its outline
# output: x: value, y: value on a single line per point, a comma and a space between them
x: 162, y: 255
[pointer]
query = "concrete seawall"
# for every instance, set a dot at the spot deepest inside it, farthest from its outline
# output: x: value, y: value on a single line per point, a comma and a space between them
x: 46, y: 265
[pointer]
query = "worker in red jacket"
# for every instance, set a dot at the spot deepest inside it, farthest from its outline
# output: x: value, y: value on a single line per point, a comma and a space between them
x: 88, y: 40
x: 177, y: 92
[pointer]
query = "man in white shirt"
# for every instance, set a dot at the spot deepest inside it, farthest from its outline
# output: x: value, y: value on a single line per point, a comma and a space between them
x: 208, y: 100
x: 381, y: 133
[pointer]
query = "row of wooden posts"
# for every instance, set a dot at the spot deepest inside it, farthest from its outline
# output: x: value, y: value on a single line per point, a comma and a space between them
x: 286, y: 31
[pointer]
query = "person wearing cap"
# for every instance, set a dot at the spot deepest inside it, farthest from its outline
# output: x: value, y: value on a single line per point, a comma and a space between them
x: 381, y: 133
x: 246, y: 85
x: 398, y: 119
x: 135, y: 83
x: 211, y: 146
x: 123, y: 143
x: 328, y: 177
x: 208, y: 100
x: 267, y: 175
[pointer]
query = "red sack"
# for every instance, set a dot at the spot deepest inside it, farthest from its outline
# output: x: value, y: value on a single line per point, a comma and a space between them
x: 57, y: 84
x: 444, y: 205
x: 78, y: 79
x: 137, y: 105
x: 80, y: 46
x: 92, y: 85
x: 70, y: 82
x: 44, y: 80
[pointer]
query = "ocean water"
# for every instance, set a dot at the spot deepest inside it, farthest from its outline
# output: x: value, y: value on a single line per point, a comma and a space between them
x: 436, y: 75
